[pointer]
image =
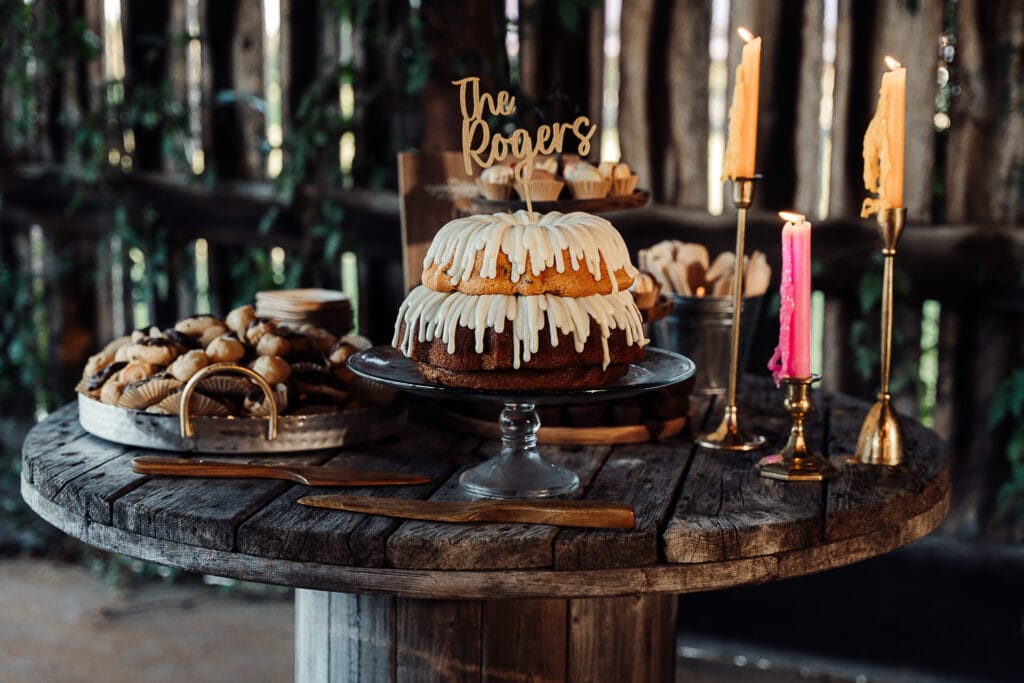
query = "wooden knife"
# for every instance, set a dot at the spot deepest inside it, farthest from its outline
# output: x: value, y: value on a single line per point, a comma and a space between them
x: 581, y: 513
x: 311, y: 475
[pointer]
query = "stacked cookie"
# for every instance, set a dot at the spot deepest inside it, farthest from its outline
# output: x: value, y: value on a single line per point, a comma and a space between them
x: 523, y: 301
x: 305, y: 365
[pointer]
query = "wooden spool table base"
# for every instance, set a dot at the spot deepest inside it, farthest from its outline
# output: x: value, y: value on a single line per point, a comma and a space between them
x: 385, y: 599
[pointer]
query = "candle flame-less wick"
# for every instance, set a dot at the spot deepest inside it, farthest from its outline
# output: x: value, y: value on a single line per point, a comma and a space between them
x: 746, y: 35
x: 791, y: 217
x: 892, y: 63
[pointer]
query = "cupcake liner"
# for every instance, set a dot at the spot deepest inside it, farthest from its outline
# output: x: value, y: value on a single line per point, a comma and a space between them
x: 589, y: 189
x: 495, y: 191
x: 143, y: 394
x: 540, y: 190
x: 621, y: 186
x: 260, y: 407
x: 225, y: 386
x: 199, y: 405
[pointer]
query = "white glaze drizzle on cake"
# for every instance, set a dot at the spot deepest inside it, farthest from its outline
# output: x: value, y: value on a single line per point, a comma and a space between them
x: 437, y: 315
x: 519, y: 235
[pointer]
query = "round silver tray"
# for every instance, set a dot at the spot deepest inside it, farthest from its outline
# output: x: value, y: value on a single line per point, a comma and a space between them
x: 240, y: 434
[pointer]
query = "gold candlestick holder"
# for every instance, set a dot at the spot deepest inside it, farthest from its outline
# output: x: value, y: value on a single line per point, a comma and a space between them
x: 881, y: 437
x: 729, y: 436
x: 796, y: 461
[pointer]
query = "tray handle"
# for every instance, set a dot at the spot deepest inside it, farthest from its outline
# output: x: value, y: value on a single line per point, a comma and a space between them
x: 187, y: 430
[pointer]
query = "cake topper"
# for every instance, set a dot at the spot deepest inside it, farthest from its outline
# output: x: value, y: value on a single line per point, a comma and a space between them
x: 484, y: 147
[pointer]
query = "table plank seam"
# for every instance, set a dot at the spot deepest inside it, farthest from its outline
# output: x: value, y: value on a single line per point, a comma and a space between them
x: 83, y: 473
x: 30, y: 463
x: 256, y: 509
x: 676, y: 494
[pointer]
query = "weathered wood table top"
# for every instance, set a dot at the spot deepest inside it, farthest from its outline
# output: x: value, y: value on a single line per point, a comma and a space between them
x: 704, y: 519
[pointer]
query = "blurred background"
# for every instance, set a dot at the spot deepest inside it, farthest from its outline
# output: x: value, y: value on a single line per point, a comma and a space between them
x: 165, y: 157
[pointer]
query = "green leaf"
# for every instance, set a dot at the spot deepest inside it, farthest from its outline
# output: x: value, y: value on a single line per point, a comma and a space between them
x: 268, y: 220
x: 332, y: 246
x: 869, y: 291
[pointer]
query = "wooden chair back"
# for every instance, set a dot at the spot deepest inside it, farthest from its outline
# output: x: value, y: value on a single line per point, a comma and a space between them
x: 433, y: 188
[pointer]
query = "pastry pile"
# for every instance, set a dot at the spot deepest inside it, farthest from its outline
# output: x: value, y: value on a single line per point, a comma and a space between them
x: 685, y: 268
x: 304, y: 365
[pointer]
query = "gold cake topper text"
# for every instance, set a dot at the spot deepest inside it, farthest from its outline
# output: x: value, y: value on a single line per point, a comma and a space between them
x: 485, y: 148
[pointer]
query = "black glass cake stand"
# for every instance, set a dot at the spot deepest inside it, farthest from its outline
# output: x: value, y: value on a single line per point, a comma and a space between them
x: 519, y: 470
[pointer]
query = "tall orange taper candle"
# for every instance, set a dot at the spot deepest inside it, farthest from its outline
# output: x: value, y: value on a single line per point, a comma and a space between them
x: 741, y: 148
x: 884, y: 143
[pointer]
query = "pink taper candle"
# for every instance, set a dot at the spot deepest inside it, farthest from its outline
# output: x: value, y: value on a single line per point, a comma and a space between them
x: 792, y: 356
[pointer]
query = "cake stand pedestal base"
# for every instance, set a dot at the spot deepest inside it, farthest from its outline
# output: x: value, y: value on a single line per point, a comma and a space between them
x: 519, y: 471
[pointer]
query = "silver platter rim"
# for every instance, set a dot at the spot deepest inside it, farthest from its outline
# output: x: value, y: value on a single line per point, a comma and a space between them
x: 240, y: 435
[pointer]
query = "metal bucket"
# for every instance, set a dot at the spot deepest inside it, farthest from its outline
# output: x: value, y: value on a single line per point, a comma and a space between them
x: 701, y: 329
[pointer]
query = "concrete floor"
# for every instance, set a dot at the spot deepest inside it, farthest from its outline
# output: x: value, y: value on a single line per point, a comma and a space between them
x: 60, y: 622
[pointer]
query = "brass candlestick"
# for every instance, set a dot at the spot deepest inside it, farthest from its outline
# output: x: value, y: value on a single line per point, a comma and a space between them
x: 728, y: 436
x: 881, y: 437
x: 797, y: 462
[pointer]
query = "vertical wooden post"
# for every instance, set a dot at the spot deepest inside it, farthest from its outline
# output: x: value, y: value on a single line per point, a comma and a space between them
x: 234, y: 42
x: 807, y: 137
x: 595, y: 50
x: 465, y: 39
x: 146, y: 41
x: 177, y: 80
x: 686, y: 69
x: 377, y: 638
x: 564, y: 92
x: 634, y: 75
x: 984, y: 180
x: 910, y: 32
x: 779, y: 23
x: 531, y: 62
x: 247, y: 57
x: 849, y: 115
x: 868, y: 32
x: 984, y: 183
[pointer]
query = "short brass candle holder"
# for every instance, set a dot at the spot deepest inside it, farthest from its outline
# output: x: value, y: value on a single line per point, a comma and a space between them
x: 881, y: 437
x: 796, y: 461
x: 728, y: 436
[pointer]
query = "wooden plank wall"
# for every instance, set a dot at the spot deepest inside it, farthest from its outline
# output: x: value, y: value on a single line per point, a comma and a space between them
x: 969, y: 175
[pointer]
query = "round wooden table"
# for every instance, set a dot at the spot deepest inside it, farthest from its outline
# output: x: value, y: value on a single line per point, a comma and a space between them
x: 385, y: 599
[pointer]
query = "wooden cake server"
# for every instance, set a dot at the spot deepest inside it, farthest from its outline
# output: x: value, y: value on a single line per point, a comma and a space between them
x: 577, y: 513
x: 311, y: 475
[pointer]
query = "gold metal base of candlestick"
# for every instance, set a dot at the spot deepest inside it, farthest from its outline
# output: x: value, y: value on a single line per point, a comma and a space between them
x: 729, y: 437
x: 881, y: 436
x: 797, y: 462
